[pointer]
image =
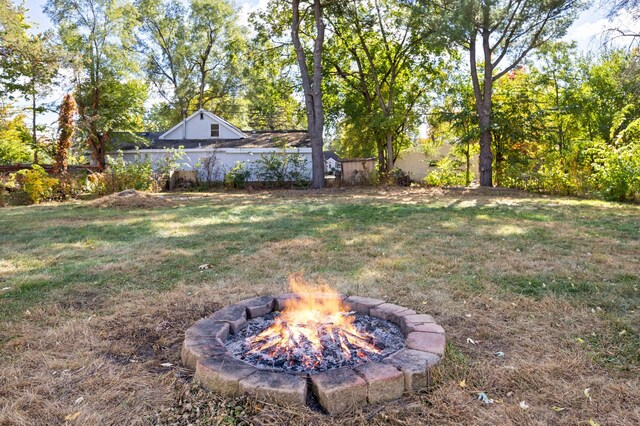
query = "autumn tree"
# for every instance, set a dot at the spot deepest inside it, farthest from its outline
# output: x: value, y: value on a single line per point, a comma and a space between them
x: 66, y: 130
x: 99, y: 33
x: 497, y: 35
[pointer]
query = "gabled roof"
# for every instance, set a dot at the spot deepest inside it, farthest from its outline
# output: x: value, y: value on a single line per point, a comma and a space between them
x: 211, y: 115
x: 253, y: 139
x: 332, y: 155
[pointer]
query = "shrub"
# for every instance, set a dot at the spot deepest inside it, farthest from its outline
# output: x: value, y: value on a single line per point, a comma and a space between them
x: 70, y: 186
x: 281, y: 168
x: 238, y: 176
x: 209, y: 170
x: 400, y: 177
x: 36, y: 183
x: 129, y: 175
x: 617, y: 173
x: 448, y: 173
x: 169, y: 162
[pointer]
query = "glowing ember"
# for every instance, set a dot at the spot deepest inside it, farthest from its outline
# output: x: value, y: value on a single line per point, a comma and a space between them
x: 311, y: 326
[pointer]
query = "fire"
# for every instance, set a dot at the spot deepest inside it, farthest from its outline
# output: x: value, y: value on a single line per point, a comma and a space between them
x: 312, y: 325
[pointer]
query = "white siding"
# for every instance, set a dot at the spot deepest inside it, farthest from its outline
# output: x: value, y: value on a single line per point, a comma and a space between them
x: 201, y: 129
x: 227, y: 157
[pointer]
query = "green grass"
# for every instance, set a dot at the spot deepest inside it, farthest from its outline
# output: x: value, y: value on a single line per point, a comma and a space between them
x: 583, y: 251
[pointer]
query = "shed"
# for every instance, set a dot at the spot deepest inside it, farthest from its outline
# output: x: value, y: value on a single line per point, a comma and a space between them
x: 358, y: 171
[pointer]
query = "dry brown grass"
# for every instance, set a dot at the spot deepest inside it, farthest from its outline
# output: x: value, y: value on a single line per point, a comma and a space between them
x: 99, y: 352
x: 132, y: 199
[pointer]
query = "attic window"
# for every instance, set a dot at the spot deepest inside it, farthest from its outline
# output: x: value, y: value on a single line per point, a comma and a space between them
x: 215, y: 130
x: 201, y: 116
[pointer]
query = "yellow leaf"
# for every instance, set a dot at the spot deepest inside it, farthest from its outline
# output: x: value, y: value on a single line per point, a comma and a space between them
x: 463, y: 383
x: 557, y: 409
x: 72, y: 417
x: 593, y: 423
x: 579, y: 340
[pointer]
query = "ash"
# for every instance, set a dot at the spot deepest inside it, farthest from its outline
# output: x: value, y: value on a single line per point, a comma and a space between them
x: 388, y: 339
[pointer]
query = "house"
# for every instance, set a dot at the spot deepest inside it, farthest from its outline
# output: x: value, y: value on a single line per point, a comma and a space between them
x: 331, y: 163
x: 419, y: 164
x: 204, y: 135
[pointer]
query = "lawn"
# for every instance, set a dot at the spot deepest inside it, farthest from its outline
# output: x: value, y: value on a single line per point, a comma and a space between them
x: 93, y: 301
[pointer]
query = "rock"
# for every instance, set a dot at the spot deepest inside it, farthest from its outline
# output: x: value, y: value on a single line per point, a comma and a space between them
x: 362, y: 305
x: 222, y: 374
x: 415, y: 366
x: 234, y: 315
x: 339, y: 390
x: 385, y: 382
x: 281, y: 388
x: 258, y: 306
x: 391, y: 312
x: 426, y: 342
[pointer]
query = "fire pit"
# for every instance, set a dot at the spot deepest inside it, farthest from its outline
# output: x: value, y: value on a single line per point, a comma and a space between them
x: 289, y: 349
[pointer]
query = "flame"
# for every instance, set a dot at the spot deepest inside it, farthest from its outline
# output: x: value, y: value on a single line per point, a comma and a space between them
x: 309, y: 323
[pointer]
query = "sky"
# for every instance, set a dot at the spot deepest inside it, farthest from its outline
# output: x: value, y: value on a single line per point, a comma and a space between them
x: 586, y: 30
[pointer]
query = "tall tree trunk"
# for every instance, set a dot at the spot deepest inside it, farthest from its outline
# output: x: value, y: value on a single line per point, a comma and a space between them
x: 33, y: 126
x: 389, y: 151
x: 312, y: 85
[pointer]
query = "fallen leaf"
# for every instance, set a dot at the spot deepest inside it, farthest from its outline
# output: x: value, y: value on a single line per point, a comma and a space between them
x: 72, y: 417
x: 622, y: 333
x: 586, y: 393
x: 166, y: 364
x: 463, y: 383
x: 204, y: 266
x: 523, y: 405
x: 500, y: 354
x: 593, y: 423
x: 579, y: 340
x: 79, y: 400
x: 470, y: 340
x: 557, y: 409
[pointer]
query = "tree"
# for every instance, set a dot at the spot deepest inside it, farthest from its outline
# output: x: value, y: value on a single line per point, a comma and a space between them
x: 312, y: 84
x: 109, y: 98
x: 14, y: 137
x: 385, y: 55
x: 193, y: 57
x: 508, y: 30
x: 28, y: 62
x: 66, y: 129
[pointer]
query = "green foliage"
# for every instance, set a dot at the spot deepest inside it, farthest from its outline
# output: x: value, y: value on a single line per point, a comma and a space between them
x: 14, y: 138
x: 36, y: 183
x: 238, y: 176
x: 617, y: 172
x: 281, y: 168
x: 121, y: 175
x: 400, y: 177
x: 448, y: 173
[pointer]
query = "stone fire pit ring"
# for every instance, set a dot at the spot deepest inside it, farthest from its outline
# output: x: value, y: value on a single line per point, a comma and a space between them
x: 337, y: 390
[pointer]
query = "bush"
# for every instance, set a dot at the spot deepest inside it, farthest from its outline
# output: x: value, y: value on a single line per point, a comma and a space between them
x: 448, y: 173
x: 36, y: 183
x: 400, y: 177
x: 209, y: 170
x: 70, y: 186
x: 617, y: 173
x: 238, y: 176
x: 281, y: 168
x: 121, y: 175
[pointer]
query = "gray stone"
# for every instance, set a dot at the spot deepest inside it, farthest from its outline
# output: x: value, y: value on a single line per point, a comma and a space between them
x: 281, y: 300
x: 406, y: 321
x: 339, y: 390
x: 391, y: 312
x: 196, y: 348
x: 258, y: 306
x: 207, y: 327
x: 362, y: 305
x: 385, y: 382
x: 415, y: 365
x: 278, y: 387
x: 426, y: 342
x: 234, y: 315
x: 222, y: 374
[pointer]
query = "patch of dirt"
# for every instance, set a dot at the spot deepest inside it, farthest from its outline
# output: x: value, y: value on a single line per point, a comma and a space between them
x: 132, y: 199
